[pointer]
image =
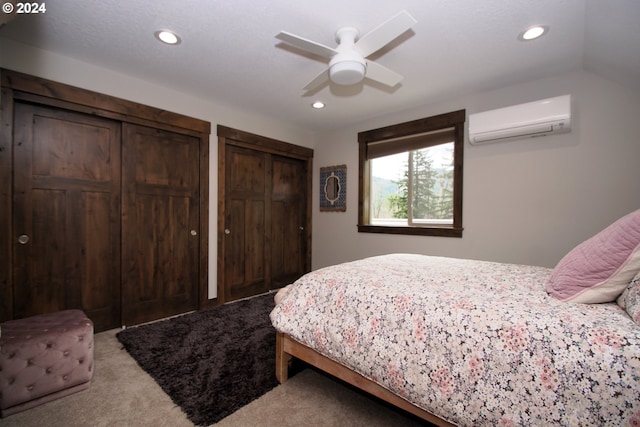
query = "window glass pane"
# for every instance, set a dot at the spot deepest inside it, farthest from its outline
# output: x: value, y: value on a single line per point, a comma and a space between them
x: 387, y: 176
x: 413, y: 188
x: 431, y: 185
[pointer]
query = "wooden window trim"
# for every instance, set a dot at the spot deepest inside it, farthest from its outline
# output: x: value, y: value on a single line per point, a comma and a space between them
x: 456, y: 120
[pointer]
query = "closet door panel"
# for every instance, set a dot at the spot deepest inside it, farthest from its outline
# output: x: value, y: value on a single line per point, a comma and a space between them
x: 160, y: 243
x: 93, y: 267
x: 41, y: 262
x: 66, y: 214
x: 162, y: 247
x: 288, y: 220
x: 246, y: 215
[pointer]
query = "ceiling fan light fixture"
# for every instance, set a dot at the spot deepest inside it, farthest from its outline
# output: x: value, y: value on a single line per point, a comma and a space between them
x: 347, y: 72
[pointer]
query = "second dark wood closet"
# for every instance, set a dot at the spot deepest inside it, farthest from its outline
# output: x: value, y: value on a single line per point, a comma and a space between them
x: 264, y: 217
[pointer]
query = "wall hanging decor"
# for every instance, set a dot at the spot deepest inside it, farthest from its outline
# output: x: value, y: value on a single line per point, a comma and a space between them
x: 333, y: 188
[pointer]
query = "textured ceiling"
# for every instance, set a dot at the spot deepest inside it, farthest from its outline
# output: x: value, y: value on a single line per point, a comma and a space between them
x: 229, y: 53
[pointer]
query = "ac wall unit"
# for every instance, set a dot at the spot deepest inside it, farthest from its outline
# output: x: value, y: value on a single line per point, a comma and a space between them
x: 538, y: 118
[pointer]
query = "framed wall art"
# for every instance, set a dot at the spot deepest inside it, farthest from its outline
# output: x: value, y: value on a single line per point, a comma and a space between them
x: 333, y: 188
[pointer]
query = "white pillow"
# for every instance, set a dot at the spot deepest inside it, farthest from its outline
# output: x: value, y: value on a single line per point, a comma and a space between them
x: 630, y: 299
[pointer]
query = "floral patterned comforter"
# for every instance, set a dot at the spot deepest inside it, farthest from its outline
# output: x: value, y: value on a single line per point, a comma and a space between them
x: 473, y: 342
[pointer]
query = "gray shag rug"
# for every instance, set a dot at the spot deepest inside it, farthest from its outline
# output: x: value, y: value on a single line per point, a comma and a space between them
x: 210, y: 362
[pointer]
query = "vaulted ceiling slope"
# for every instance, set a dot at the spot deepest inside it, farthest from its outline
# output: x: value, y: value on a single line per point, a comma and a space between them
x: 229, y: 53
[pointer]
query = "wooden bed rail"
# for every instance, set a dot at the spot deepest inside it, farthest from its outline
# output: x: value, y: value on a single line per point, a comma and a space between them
x: 287, y: 347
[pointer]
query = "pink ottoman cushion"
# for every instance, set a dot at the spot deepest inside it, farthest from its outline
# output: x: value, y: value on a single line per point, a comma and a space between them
x: 43, y: 358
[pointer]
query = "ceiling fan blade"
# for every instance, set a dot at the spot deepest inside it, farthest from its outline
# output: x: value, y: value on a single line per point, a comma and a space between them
x: 380, y: 36
x: 382, y: 74
x: 318, y: 81
x: 306, y: 45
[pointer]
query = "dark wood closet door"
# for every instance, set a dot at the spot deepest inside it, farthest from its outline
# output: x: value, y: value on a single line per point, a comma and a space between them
x: 160, y: 223
x: 265, y: 219
x: 288, y: 220
x: 246, y: 215
x: 66, y: 214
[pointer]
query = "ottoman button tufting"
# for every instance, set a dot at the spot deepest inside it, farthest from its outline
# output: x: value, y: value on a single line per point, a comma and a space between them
x: 26, y: 356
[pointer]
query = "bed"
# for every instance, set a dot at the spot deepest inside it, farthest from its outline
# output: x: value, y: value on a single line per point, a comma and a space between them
x: 470, y: 343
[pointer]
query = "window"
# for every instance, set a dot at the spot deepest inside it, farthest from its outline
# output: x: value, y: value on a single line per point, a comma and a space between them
x: 410, y: 177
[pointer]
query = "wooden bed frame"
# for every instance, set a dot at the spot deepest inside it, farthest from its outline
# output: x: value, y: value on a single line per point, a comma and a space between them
x: 287, y: 347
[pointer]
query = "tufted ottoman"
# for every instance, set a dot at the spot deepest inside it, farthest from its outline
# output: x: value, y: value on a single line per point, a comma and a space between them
x: 43, y: 358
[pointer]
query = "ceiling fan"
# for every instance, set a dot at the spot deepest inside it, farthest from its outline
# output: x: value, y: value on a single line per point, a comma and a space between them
x: 347, y: 62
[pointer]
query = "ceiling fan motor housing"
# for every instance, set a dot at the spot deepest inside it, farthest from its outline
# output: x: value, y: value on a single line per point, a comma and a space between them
x: 347, y: 67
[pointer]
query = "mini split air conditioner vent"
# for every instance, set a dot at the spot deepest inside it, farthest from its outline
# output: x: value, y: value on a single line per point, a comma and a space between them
x: 538, y: 118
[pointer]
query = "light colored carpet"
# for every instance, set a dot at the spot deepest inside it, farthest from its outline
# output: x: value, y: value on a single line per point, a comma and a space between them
x: 122, y: 394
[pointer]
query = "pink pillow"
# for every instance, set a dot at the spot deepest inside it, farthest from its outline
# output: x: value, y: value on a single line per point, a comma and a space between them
x: 599, y: 269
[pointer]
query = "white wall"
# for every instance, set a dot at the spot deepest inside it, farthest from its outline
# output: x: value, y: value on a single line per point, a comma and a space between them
x: 40, y: 63
x: 527, y: 201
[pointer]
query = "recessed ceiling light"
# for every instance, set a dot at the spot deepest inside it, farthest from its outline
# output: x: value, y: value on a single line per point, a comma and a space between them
x: 168, y: 37
x: 533, y: 32
x: 318, y: 105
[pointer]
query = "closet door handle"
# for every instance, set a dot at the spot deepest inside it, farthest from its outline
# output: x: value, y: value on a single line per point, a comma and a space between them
x: 227, y: 231
x: 23, y: 239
